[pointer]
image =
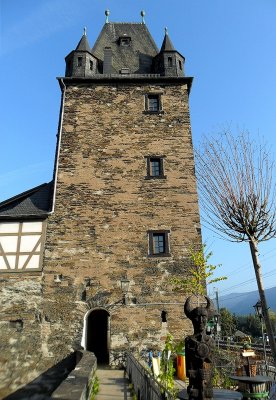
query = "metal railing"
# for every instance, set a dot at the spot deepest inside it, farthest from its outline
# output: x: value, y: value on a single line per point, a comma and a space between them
x: 145, y: 385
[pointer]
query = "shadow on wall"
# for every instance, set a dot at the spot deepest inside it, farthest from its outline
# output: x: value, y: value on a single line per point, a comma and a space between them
x: 44, y: 385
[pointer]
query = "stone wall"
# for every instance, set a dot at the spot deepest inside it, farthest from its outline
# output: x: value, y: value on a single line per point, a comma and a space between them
x: 78, y: 385
x: 105, y: 206
x: 98, y: 231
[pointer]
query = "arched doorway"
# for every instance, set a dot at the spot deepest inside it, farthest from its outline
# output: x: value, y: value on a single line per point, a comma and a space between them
x: 97, y: 335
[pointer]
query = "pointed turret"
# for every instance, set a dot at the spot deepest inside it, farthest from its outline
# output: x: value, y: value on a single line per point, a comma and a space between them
x: 169, y: 62
x: 81, y: 62
x: 83, y: 44
x: 167, y: 43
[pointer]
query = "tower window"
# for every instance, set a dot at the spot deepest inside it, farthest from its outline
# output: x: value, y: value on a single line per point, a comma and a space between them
x: 155, y: 168
x: 180, y: 64
x: 153, y: 103
x: 169, y: 61
x: 125, y: 41
x: 158, y: 243
x: 91, y: 65
x: 79, y: 61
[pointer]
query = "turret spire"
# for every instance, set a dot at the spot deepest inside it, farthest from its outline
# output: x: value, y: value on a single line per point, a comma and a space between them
x: 169, y: 62
x: 167, y: 44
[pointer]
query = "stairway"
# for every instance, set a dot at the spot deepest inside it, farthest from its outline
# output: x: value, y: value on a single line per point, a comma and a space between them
x: 113, y: 385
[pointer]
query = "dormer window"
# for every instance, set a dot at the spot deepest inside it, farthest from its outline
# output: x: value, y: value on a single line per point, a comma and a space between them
x: 169, y: 61
x: 125, y: 41
x: 91, y: 65
x: 180, y: 64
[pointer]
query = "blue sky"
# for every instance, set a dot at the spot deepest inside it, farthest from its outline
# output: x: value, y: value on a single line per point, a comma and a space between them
x: 229, y: 46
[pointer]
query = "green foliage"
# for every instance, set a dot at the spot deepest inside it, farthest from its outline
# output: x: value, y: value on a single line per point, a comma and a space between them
x: 166, y: 366
x: 95, y: 388
x: 167, y: 370
x: 224, y: 363
x: 272, y: 316
x: 228, y: 322
x: 179, y: 347
x: 199, y: 274
x: 221, y: 379
x: 132, y: 392
x: 249, y: 324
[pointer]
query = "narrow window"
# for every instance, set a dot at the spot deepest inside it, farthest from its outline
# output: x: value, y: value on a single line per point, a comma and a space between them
x: 69, y: 68
x: 169, y: 61
x: 91, y: 65
x: 155, y: 168
x: 79, y: 61
x: 164, y: 316
x: 159, y: 243
x: 180, y: 64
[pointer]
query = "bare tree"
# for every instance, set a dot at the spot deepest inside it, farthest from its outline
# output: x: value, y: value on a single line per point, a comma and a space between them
x: 237, y: 193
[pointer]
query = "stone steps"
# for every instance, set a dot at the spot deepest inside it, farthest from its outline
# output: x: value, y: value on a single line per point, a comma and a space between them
x: 113, y: 385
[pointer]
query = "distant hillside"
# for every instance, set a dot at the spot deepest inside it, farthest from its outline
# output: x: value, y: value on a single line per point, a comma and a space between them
x: 242, y: 303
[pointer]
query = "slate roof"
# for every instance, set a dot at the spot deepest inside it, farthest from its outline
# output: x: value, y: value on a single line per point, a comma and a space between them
x: 83, y: 44
x: 167, y: 44
x: 34, y: 203
x: 137, y: 56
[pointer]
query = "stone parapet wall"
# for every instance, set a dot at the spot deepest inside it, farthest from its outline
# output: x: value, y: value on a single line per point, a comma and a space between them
x: 79, y: 383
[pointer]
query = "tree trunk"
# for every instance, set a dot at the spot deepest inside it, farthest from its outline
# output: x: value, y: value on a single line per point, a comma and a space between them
x: 257, y: 267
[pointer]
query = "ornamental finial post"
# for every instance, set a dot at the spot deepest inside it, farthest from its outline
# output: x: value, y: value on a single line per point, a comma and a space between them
x: 107, y: 13
x: 143, y: 16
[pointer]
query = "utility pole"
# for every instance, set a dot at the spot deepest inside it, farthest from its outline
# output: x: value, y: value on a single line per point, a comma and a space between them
x: 217, y: 299
x: 217, y: 317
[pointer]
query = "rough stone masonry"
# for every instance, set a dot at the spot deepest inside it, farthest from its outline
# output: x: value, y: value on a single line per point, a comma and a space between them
x: 110, y: 219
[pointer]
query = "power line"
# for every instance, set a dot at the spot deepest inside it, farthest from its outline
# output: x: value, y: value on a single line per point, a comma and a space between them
x: 248, y: 264
x: 266, y: 275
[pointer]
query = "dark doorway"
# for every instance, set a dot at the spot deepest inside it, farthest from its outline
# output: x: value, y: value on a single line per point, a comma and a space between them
x: 97, y: 339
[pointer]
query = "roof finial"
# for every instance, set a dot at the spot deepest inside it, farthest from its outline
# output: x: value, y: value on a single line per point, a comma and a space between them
x: 84, y: 31
x: 107, y: 13
x: 166, y: 31
x: 143, y: 16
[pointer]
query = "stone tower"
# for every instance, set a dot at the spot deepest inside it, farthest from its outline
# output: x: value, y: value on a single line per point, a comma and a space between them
x: 120, y: 215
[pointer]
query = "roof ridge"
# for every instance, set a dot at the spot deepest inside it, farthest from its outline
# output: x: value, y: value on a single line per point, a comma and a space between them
x: 129, y: 23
